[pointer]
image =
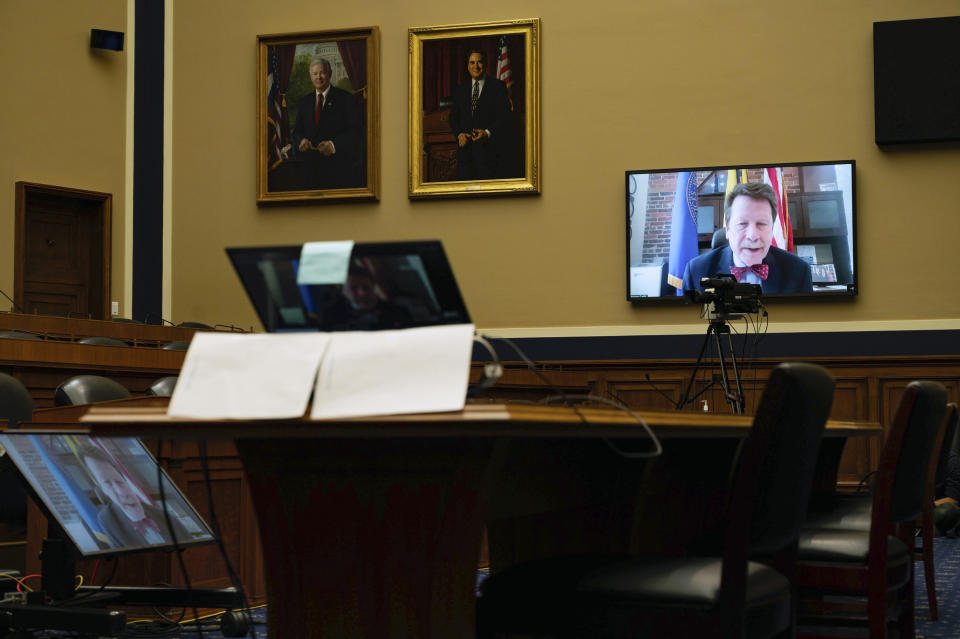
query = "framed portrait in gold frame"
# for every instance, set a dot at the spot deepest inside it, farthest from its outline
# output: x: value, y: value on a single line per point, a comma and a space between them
x: 318, y: 116
x: 475, y: 109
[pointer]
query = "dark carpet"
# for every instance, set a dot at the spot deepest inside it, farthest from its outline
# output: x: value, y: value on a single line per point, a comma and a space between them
x: 946, y: 556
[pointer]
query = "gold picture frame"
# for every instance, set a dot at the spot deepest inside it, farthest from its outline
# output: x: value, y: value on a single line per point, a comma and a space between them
x: 333, y: 153
x: 463, y: 144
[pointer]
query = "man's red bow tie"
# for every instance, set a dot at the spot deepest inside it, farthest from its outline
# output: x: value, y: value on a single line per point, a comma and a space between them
x: 762, y: 271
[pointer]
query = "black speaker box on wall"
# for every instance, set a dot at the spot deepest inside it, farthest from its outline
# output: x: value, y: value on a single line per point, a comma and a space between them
x: 916, y: 74
x: 103, y: 39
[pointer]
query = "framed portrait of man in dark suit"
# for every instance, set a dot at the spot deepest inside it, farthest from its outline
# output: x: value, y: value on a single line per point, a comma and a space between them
x: 318, y: 116
x: 475, y: 109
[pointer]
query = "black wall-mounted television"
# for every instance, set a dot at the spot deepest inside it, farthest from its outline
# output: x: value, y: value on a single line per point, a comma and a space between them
x: 916, y: 74
x: 678, y: 232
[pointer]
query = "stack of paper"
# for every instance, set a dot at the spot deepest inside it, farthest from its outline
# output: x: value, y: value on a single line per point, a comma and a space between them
x: 351, y: 374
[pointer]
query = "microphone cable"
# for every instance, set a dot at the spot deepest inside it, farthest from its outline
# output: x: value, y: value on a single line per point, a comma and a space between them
x: 214, y: 522
x: 491, y: 371
x: 16, y: 307
x: 566, y: 399
x: 173, y: 535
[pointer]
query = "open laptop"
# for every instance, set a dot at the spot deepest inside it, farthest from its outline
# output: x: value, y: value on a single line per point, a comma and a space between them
x: 389, y: 285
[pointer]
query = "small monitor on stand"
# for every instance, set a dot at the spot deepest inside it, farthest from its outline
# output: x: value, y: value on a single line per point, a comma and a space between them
x: 105, y: 493
x: 102, y: 497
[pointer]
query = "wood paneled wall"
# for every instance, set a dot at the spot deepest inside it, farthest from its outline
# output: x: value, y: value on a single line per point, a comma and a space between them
x: 867, y: 389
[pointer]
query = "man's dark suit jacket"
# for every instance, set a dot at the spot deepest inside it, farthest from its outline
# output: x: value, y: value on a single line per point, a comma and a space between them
x: 340, y: 123
x: 496, y: 157
x: 122, y: 533
x: 788, y: 273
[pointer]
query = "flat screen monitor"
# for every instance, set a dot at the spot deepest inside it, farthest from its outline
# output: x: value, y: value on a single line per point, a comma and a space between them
x: 916, y: 76
x: 104, y: 492
x: 679, y: 231
x: 389, y: 285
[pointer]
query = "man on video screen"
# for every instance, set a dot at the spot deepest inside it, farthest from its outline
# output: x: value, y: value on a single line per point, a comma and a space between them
x: 750, y: 211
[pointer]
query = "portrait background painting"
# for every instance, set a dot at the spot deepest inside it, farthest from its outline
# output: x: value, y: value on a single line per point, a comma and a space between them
x: 444, y: 69
x: 466, y: 146
x: 289, y: 173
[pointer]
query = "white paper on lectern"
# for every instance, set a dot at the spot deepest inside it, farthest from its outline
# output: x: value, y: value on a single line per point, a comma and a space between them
x: 231, y: 376
x: 412, y: 370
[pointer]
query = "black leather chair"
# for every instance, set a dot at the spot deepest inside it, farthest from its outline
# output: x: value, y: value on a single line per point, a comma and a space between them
x: 18, y: 335
x: 163, y: 387
x: 16, y: 405
x: 719, y: 238
x: 935, y: 473
x: 837, y: 555
x: 103, y: 341
x: 194, y: 325
x: 951, y: 444
x: 178, y: 345
x: 728, y: 596
x: 88, y: 389
x: 854, y: 512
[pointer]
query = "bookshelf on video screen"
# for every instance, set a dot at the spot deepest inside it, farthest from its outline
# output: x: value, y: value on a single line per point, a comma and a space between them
x: 104, y: 492
x: 679, y: 229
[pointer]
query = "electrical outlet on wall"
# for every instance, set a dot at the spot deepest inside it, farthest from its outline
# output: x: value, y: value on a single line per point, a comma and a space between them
x: 114, y: 308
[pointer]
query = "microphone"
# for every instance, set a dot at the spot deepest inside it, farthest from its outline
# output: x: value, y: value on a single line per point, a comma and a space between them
x: 233, y: 329
x: 492, y: 371
x: 665, y: 396
x: 15, y: 306
x: 146, y: 320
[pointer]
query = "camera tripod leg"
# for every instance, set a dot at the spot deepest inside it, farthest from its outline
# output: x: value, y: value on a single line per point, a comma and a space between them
x: 735, y: 398
x: 724, y: 383
x: 686, y: 398
x: 740, y: 404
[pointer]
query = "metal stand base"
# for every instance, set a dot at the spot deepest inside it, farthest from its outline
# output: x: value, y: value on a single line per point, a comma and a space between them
x: 58, y: 606
x: 734, y: 395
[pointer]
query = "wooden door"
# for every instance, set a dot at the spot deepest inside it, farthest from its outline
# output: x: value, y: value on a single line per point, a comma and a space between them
x: 62, y: 251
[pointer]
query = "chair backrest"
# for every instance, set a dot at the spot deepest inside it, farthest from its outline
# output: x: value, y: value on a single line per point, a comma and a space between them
x: 18, y: 335
x: 779, y: 457
x: 16, y: 405
x: 88, y: 389
x: 719, y: 238
x: 103, y: 341
x: 905, y: 458
x: 177, y: 345
x: 950, y: 443
x: 163, y: 387
x: 194, y: 325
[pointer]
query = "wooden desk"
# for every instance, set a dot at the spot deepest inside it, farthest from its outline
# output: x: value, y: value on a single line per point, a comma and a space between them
x: 372, y: 527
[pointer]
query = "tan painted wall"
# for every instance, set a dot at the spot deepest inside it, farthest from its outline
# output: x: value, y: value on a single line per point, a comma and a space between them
x: 625, y: 85
x: 63, y: 113
x: 555, y: 260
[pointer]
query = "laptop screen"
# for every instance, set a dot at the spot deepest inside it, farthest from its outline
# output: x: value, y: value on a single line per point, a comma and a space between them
x: 104, y: 492
x: 389, y: 285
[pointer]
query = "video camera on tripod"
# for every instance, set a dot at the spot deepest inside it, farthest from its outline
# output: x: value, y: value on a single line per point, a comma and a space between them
x: 724, y: 298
